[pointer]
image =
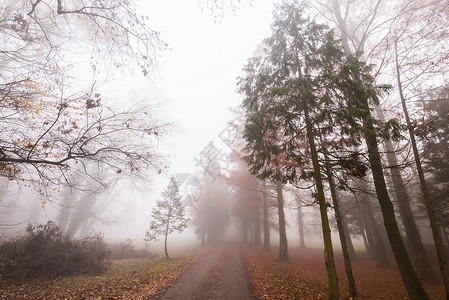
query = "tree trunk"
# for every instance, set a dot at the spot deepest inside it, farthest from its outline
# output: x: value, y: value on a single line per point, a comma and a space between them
x: 442, y: 259
x: 411, y: 281
x: 203, y: 232
x: 351, y: 250
x: 341, y: 231
x: 245, y: 231
x: 334, y: 292
x: 283, y: 248
x: 302, y: 243
x: 256, y: 222
x: 251, y: 234
x: 373, y: 253
x: 444, y: 235
x: 64, y: 215
x: 379, y: 247
x: 266, y: 221
x: 365, y: 240
x: 417, y: 251
x: 165, y: 243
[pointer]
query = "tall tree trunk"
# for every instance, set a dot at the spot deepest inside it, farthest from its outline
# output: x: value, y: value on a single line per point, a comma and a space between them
x: 379, y: 247
x: 411, y: 281
x: 365, y: 240
x: 166, y: 237
x: 341, y: 231
x: 245, y: 231
x: 302, y: 243
x: 64, y: 216
x: 266, y: 221
x: 373, y: 253
x: 334, y: 292
x: 256, y: 222
x: 251, y: 233
x: 350, y: 245
x: 417, y: 251
x: 444, y: 235
x: 204, y: 231
x: 283, y: 248
x: 442, y: 259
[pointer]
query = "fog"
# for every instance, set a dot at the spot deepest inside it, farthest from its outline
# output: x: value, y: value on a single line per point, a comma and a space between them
x: 217, y: 149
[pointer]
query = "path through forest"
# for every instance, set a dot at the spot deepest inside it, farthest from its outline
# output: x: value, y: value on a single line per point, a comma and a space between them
x: 220, y: 274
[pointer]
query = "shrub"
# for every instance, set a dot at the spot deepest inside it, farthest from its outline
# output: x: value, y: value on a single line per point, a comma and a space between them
x: 126, y: 250
x: 44, y: 252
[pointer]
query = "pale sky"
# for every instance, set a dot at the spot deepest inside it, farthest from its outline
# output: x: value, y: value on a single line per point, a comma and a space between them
x: 198, y: 75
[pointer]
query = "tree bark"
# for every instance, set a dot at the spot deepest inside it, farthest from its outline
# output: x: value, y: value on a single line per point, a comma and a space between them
x: 373, y: 253
x: 302, y: 243
x: 341, y: 231
x: 444, y: 235
x: 266, y: 221
x: 245, y: 231
x: 379, y: 247
x: 203, y: 231
x: 334, y: 292
x: 442, y: 259
x: 283, y: 248
x: 166, y: 237
x: 351, y: 250
x: 365, y: 240
x: 417, y: 251
x: 256, y: 221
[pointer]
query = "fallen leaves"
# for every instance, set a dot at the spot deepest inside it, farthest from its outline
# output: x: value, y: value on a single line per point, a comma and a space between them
x: 125, y: 279
x: 304, y: 277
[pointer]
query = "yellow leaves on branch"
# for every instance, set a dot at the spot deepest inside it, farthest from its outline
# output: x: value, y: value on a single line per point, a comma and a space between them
x: 9, y: 170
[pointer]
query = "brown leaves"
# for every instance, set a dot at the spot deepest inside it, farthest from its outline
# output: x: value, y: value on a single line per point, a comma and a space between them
x: 304, y: 277
x: 125, y: 279
x: 273, y: 279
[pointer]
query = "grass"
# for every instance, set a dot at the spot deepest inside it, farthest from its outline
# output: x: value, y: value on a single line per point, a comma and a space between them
x: 127, y: 278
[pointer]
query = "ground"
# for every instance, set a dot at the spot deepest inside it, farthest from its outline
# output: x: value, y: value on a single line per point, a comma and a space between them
x: 221, y: 274
x: 222, y: 271
x: 305, y: 277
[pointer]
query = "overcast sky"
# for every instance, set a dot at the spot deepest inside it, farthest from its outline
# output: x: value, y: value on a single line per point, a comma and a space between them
x: 197, y: 77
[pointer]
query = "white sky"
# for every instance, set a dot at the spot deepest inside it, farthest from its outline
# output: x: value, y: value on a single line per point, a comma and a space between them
x: 198, y: 75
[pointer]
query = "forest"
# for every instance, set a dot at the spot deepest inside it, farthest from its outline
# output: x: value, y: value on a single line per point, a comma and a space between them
x: 302, y: 155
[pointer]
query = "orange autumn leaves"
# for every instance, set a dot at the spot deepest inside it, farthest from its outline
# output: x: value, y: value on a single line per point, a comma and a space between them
x: 304, y: 277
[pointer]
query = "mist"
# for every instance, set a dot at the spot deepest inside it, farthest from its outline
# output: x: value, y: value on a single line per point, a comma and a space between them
x: 224, y: 149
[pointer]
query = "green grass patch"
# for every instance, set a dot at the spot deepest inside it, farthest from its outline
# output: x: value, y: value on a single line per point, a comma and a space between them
x: 127, y: 278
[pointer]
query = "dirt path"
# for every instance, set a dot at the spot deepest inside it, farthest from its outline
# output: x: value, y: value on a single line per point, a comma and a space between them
x: 218, y: 275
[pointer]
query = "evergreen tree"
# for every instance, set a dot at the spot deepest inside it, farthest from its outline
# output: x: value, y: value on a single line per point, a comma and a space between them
x: 168, y: 215
x: 308, y: 91
x: 434, y: 134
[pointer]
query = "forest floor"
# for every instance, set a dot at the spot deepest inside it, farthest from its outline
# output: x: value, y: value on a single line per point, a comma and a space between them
x: 305, y: 277
x: 222, y: 271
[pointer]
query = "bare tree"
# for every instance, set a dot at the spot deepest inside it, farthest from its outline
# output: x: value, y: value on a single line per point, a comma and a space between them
x: 49, y: 121
x: 74, y: 132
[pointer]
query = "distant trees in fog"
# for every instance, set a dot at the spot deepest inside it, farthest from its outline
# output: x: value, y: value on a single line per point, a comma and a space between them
x: 313, y: 110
